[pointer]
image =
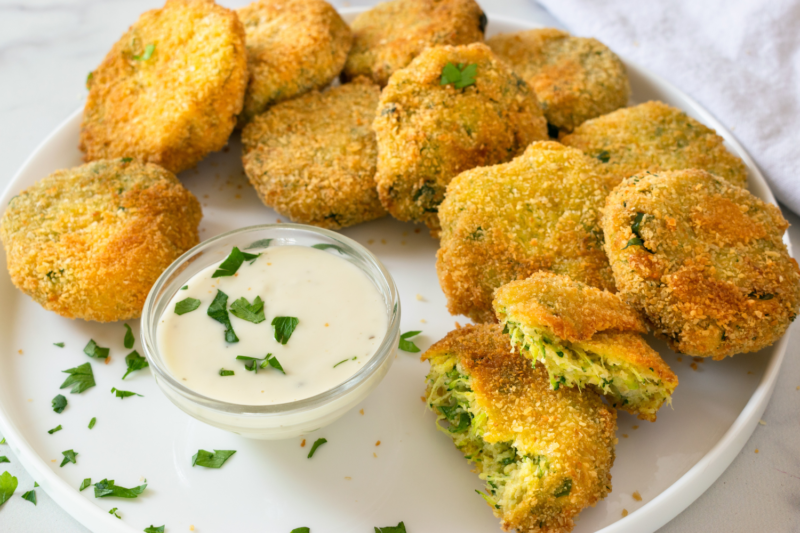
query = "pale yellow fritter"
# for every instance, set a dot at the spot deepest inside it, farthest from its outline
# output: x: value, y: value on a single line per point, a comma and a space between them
x: 545, y: 455
x: 655, y: 137
x: 387, y: 37
x: 89, y: 242
x: 575, y: 78
x: 293, y: 46
x: 313, y: 158
x: 429, y: 132
x: 586, y: 337
x: 169, y: 90
x: 541, y: 211
x: 703, y: 260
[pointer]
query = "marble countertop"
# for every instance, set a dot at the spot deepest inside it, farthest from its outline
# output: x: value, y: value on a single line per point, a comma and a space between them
x: 46, y: 49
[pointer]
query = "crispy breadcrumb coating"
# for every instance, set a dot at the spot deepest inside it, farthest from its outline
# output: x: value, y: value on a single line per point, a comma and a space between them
x: 655, y: 137
x: 545, y: 455
x: 89, y: 242
x: 574, y: 78
x: 313, y: 158
x: 293, y: 46
x: 586, y: 337
x: 703, y: 260
x: 387, y: 37
x: 169, y: 90
x: 428, y: 132
x: 541, y: 211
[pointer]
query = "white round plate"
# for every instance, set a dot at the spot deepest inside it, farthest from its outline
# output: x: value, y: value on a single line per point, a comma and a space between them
x: 352, y: 484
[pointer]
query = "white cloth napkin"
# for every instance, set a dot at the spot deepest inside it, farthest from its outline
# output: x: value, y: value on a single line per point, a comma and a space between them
x: 739, y: 58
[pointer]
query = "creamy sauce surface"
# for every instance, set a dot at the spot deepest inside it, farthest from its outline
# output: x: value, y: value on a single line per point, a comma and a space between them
x: 341, y: 316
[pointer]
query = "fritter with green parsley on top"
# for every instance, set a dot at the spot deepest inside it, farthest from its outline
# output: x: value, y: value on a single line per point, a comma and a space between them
x: 453, y: 108
x: 544, y: 454
x: 586, y: 337
x: 704, y: 261
x: 501, y: 223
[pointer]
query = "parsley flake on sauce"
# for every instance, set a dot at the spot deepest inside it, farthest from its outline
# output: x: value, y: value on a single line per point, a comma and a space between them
x: 59, y: 403
x: 85, y: 483
x: 80, y: 378
x: 186, y: 306
x: 69, y: 457
x: 233, y: 262
x: 30, y: 496
x: 106, y: 488
x: 399, y: 528
x: 154, y: 529
x: 211, y: 460
x: 460, y: 76
x: 219, y: 312
x: 135, y: 362
x: 124, y: 393
x: 92, y: 422
x: 243, y: 309
x: 254, y: 363
x: 8, y: 484
x: 284, y: 327
x: 128, y: 340
x: 317, y: 444
x: 407, y: 345
x: 57, y: 428
x: 344, y: 361
x: 223, y: 372
x: 93, y: 350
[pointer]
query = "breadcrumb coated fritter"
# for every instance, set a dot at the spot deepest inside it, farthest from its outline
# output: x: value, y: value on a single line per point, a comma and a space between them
x: 541, y: 211
x: 575, y: 78
x: 428, y: 132
x: 169, y: 90
x: 293, y: 46
x: 313, y: 158
x: 545, y: 455
x: 89, y: 242
x: 586, y: 337
x: 703, y: 260
x: 391, y: 34
x: 655, y: 137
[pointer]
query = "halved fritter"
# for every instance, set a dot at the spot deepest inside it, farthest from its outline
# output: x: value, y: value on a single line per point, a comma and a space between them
x: 544, y: 454
x: 504, y: 222
x: 655, y: 137
x: 703, y: 260
x: 585, y: 337
x: 575, y: 78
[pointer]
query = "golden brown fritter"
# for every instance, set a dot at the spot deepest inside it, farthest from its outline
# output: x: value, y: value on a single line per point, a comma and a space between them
x: 655, y: 137
x: 545, y: 455
x: 541, y: 211
x: 574, y: 78
x: 387, y: 37
x: 89, y: 242
x: 313, y: 158
x: 293, y: 46
x: 703, y: 260
x: 169, y: 90
x: 428, y: 132
x: 585, y: 337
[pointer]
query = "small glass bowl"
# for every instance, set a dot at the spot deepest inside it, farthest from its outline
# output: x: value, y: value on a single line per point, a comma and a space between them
x: 278, y: 421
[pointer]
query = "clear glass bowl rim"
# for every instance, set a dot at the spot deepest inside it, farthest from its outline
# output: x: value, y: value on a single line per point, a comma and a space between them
x: 385, y: 349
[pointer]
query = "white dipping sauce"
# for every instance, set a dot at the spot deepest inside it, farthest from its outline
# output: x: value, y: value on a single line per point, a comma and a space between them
x: 341, y: 316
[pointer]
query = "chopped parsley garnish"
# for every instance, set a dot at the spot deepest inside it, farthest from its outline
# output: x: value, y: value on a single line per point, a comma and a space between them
x: 186, y: 306
x: 30, y: 496
x: 59, y: 344
x: 399, y: 528
x: 636, y: 229
x: 93, y: 350
x: 89, y: 79
x: 3, y: 441
x: 344, y: 361
x: 148, y: 53
x: 233, y: 262
x: 8, y: 484
x: 4, y: 459
x: 604, y: 156
x: 135, y: 362
x: 407, y: 345
x: 211, y: 460
x: 154, y: 529
x: 185, y: 287
x: 564, y: 489
x: 124, y: 393
x: 114, y: 512
x: 317, y: 444
x: 254, y: 312
x: 261, y: 243
x: 106, y: 488
x: 35, y: 484
x: 459, y: 76
x: 85, y: 483
x: 301, y: 530
x: 323, y: 246
x: 92, y: 422
x: 284, y: 327
x: 69, y: 457
x: 80, y: 378
x: 635, y: 241
x: 125, y: 160
x: 57, y: 428
x: 59, y: 403
x: 218, y: 310
x: 223, y: 372
x: 128, y: 340
x: 254, y: 363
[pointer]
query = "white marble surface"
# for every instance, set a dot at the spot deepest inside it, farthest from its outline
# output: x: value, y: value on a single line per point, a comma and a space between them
x: 46, y: 49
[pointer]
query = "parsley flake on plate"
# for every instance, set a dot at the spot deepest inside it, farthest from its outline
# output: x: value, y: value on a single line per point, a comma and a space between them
x: 93, y: 350
x: 128, y: 340
x: 219, y: 312
x: 154, y: 529
x: 80, y: 378
x: 114, y: 512
x: 399, y: 528
x: 69, y: 457
x: 106, y: 488
x: 85, y: 483
x: 134, y: 362
x: 211, y: 460
x: 3, y: 441
x: 284, y: 327
x: 407, y: 345
x: 57, y: 428
x: 124, y: 393
x: 233, y: 262
x: 243, y: 309
x: 92, y: 422
x: 460, y: 76
x: 59, y: 403
x: 317, y: 444
x: 8, y: 484
x: 59, y: 344
x: 254, y: 363
x: 4, y: 459
x: 301, y: 530
x: 186, y: 306
x: 30, y: 496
